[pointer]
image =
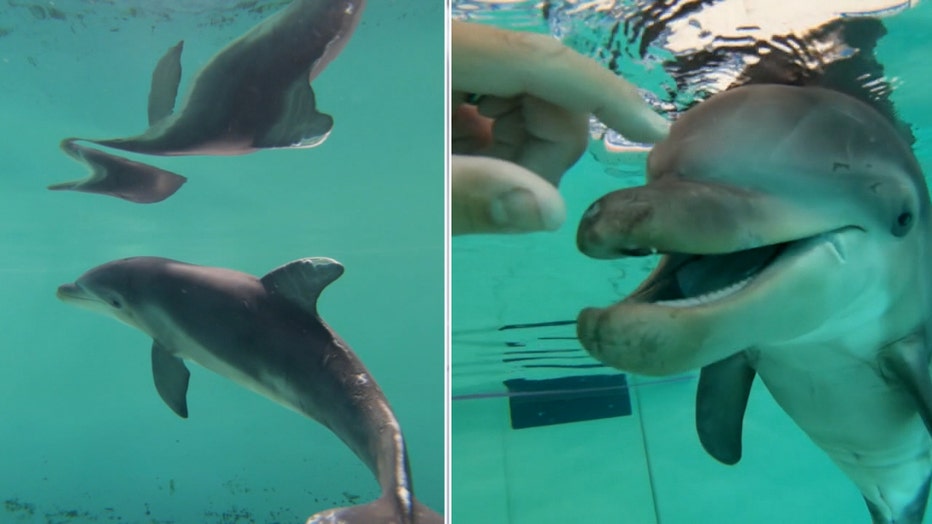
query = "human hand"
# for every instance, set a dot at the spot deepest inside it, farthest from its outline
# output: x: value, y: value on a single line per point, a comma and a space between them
x: 521, y: 106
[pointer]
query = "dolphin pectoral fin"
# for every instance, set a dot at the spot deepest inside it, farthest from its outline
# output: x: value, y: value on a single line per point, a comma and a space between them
x: 171, y: 379
x: 299, y: 124
x: 301, y: 281
x: 908, y: 360
x: 721, y: 399
x: 116, y: 176
x: 165, y: 80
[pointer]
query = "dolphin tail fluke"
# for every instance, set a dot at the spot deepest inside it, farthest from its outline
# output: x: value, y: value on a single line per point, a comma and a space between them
x: 383, y: 510
x: 425, y: 515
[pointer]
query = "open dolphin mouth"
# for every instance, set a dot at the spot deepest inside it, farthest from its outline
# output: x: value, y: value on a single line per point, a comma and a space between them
x: 692, y: 280
x: 684, y: 280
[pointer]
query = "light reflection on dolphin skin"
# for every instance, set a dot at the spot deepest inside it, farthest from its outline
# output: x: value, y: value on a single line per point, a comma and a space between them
x: 793, y: 224
x: 253, y: 94
x: 266, y: 335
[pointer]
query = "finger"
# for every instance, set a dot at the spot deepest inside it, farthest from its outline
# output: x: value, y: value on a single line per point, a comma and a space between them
x: 556, y: 138
x: 496, y: 106
x: 505, y: 63
x: 541, y: 137
x: 470, y: 131
x: 494, y: 196
x: 509, y: 136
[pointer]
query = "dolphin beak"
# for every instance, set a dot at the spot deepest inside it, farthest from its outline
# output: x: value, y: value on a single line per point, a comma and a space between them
x: 71, y: 293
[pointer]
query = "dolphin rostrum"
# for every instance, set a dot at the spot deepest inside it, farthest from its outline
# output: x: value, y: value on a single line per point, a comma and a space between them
x: 793, y: 224
x: 253, y: 94
x: 264, y: 334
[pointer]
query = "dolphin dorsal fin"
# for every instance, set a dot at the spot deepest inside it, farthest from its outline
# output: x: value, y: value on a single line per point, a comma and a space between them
x: 165, y: 80
x: 301, y: 281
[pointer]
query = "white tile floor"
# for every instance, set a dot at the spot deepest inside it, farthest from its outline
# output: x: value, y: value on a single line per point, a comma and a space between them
x: 560, y: 473
x: 597, y: 471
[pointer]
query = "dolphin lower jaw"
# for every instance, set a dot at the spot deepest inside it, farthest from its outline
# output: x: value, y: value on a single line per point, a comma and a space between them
x: 696, y: 309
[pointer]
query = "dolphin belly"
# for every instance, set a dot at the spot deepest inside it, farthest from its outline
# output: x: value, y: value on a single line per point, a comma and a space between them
x: 867, y: 425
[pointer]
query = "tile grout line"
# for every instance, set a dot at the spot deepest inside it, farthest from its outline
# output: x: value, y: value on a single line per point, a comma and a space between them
x: 650, y: 471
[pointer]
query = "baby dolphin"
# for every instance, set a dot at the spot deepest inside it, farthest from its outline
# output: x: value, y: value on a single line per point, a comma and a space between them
x: 253, y: 94
x: 794, y: 226
x: 264, y: 334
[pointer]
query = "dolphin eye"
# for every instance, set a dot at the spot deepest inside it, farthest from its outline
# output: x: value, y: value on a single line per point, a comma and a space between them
x: 903, y: 224
x: 115, y: 302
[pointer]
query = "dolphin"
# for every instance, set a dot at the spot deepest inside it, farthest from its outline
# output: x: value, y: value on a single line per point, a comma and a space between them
x: 793, y: 224
x: 266, y: 335
x: 253, y: 94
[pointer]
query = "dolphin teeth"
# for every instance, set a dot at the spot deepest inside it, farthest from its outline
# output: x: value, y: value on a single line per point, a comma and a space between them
x: 838, y: 248
x: 709, y: 297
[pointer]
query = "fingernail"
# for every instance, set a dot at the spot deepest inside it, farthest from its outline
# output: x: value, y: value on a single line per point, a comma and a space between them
x: 520, y: 210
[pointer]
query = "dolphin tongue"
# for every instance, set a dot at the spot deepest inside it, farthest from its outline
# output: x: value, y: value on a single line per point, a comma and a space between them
x: 709, y: 273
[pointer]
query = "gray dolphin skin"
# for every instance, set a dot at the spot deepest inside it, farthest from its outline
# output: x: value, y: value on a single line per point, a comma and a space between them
x: 120, y: 177
x: 266, y: 335
x: 793, y: 225
x: 253, y: 94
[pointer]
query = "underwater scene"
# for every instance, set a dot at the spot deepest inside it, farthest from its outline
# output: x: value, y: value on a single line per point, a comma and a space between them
x: 730, y: 327
x: 199, y: 172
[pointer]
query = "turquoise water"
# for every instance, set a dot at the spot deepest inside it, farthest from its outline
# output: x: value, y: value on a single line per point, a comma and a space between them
x: 85, y: 437
x: 647, y: 467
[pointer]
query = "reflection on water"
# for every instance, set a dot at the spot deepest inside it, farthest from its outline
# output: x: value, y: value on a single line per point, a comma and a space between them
x: 683, y: 51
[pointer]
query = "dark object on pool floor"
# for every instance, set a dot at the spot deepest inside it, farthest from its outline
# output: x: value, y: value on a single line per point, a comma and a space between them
x: 535, y: 403
x: 794, y: 226
x: 266, y: 335
x: 254, y: 94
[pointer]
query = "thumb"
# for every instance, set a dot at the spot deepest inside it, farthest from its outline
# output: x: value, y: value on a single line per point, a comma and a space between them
x: 495, y: 196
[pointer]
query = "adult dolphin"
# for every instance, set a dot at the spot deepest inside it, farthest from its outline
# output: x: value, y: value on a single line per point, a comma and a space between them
x: 793, y: 224
x: 264, y: 334
x: 253, y: 94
